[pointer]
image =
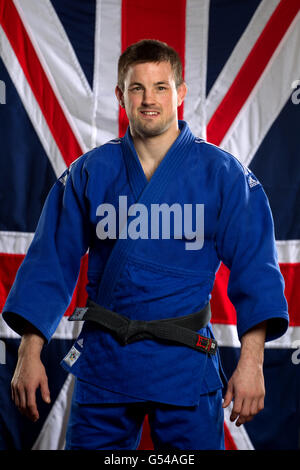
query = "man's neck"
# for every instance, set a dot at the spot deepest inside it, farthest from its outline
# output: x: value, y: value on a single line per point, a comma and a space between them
x: 152, y: 150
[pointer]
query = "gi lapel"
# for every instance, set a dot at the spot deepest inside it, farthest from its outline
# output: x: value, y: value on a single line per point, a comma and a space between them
x: 145, y: 193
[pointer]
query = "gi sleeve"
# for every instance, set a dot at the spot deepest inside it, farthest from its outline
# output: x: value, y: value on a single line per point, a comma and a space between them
x: 46, y: 279
x: 246, y: 244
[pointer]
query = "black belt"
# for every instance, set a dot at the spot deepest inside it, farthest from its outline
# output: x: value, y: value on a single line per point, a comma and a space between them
x: 182, y: 330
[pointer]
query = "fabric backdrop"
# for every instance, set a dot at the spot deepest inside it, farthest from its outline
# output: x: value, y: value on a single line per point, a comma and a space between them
x: 57, y: 77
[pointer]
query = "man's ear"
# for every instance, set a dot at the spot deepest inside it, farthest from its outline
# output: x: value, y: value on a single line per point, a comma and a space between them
x: 181, y: 93
x: 120, y: 96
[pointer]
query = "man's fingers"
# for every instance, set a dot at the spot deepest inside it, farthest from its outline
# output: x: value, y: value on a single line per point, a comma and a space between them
x: 261, y: 404
x: 19, y: 397
x: 13, y: 395
x: 245, y: 414
x: 31, y: 406
x: 228, y: 395
x: 244, y: 411
x: 25, y: 399
x: 45, y: 390
x: 236, y: 409
x: 254, y: 408
x: 243, y: 419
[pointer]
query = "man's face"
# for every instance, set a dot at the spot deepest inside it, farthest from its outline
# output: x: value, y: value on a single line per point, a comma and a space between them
x: 150, y: 98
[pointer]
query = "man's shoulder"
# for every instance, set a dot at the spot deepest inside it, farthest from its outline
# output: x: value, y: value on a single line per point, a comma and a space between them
x: 218, y: 157
x: 95, y: 161
x: 225, y: 166
x: 106, y: 154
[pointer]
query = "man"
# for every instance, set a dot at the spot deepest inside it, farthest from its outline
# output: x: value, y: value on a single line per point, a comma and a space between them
x: 151, y: 267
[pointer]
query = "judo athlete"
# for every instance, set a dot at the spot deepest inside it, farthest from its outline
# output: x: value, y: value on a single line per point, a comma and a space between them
x: 157, y: 210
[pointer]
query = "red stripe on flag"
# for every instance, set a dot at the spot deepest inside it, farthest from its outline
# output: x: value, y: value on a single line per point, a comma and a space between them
x: 164, y: 21
x: 224, y: 312
x: 291, y: 274
x: 9, y: 265
x: 38, y: 81
x: 251, y: 70
x: 221, y: 308
x: 229, y: 442
x: 146, y: 440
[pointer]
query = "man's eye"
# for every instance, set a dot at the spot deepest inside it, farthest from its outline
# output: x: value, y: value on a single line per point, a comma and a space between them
x: 162, y: 88
x: 136, y: 88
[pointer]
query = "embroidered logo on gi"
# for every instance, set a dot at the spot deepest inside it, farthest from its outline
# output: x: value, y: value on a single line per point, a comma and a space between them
x: 252, y: 181
x: 64, y: 177
x: 72, y: 356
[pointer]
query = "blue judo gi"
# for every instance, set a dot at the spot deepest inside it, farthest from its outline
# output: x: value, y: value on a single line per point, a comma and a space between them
x: 148, y: 278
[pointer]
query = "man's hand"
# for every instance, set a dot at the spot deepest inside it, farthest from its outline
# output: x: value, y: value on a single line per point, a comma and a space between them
x: 29, y: 375
x: 246, y: 386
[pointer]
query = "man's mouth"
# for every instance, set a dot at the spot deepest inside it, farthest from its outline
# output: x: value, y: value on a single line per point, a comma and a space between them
x: 150, y: 113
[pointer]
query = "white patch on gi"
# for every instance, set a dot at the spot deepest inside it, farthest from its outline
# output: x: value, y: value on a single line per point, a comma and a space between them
x: 72, y: 356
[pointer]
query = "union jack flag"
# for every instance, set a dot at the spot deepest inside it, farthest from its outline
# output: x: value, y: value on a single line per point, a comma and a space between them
x: 58, y: 72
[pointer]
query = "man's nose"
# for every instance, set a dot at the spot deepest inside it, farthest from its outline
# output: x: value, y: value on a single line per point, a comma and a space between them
x: 148, y: 97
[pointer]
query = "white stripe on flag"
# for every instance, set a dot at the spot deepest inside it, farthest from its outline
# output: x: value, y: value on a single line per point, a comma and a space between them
x: 30, y: 104
x: 66, y: 329
x: 197, y: 20
x: 105, y: 120
x: 288, y: 251
x: 267, y: 98
x: 16, y: 243
x: 239, y: 55
x: 226, y: 335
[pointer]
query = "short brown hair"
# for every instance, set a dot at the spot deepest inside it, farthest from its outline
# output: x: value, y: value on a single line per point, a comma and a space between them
x: 149, y: 50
